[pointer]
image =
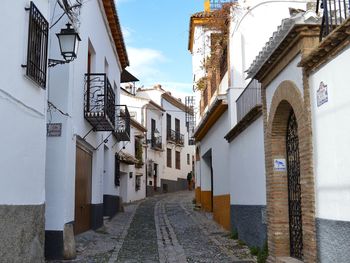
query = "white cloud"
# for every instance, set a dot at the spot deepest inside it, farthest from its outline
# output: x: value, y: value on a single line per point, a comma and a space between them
x: 145, y: 63
x: 178, y: 89
x: 127, y: 32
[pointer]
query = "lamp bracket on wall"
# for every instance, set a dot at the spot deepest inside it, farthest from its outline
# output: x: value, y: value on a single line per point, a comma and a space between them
x: 55, y: 62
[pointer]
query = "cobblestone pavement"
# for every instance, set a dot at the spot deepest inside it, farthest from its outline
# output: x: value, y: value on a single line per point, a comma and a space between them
x: 164, y: 229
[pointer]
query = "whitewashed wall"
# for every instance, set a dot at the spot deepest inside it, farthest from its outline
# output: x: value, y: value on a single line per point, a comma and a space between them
x: 129, y: 194
x: 23, y: 107
x: 215, y: 141
x: 66, y: 91
x: 247, y: 166
x: 293, y: 73
x: 331, y: 130
x: 251, y: 27
x: 135, y: 105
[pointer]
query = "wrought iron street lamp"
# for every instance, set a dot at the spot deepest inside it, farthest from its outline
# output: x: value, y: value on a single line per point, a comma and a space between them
x: 68, y: 40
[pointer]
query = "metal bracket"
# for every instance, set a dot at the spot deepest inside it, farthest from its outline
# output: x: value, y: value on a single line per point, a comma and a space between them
x: 88, y: 132
x: 104, y: 141
x: 55, y: 62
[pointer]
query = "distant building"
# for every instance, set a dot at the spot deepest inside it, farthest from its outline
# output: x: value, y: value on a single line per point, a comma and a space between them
x: 168, y: 154
x: 178, y: 151
x: 132, y: 165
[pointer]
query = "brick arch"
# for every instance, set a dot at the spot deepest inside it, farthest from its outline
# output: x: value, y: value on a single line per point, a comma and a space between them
x: 287, y: 98
x: 287, y: 92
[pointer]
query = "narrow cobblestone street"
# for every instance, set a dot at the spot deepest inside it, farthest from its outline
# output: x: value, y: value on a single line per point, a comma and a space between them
x: 164, y: 228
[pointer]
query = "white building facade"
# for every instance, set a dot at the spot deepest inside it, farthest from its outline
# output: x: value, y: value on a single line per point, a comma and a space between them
x: 82, y: 184
x: 23, y: 105
x: 239, y: 136
x: 178, y: 154
x: 250, y: 28
x: 132, y: 165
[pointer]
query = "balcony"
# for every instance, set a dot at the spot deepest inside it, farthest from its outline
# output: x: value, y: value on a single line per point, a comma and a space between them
x: 156, y: 142
x: 249, y: 99
x: 122, y: 122
x: 99, y: 102
x: 335, y: 12
x: 175, y: 137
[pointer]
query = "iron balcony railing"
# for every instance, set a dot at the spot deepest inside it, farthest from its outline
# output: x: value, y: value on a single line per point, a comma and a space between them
x: 335, y: 12
x: 217, y: 4
x: 191, y: 141
x: 99, y: 100
x: 122, y: 123
x: 175, y: 136
x: 250, y: 98
x: 156, y: 142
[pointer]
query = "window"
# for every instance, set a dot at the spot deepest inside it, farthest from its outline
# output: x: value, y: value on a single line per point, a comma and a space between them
x: 168, y: 158
x: 177, y: 125
x: 168, y: 126
x: 177, y: 160
x: 153, y: 129
x: 138, y: 182
x: 38, y: 32
x: 116, y: 170
x: 188, y: 159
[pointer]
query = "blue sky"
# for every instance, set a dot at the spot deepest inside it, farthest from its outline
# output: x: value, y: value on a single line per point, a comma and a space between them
x: 156, y: 36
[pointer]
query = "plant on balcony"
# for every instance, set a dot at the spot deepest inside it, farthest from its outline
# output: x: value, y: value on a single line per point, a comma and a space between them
x: 218, y: 25
x: 138, y: 153
x: 202, y: 83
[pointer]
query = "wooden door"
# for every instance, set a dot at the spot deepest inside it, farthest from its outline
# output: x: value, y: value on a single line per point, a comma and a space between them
x: 83, y: 172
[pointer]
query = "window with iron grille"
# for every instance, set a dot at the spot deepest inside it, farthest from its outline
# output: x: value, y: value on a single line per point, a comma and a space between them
x: 38, y: 32
x: 168, y: 157
x: 177, y: 160
x: 188, y: 159
x: 116, y: 170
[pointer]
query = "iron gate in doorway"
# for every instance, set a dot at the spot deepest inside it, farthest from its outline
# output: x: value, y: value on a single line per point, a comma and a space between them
x: 294, y: 189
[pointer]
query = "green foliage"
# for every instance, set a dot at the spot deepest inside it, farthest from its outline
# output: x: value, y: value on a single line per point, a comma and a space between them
x: 234, y: 234
x: 263, y: 254
x: 254, y: 250
x: 260, y: 253
x: 138, y: 152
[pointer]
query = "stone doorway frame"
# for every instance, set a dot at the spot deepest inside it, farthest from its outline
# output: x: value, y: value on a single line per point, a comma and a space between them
x: 287, y: 97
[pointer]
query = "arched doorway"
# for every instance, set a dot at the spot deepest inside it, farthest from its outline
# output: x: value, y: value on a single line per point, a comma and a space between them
x: 290, y: 189
x: 294, y: 188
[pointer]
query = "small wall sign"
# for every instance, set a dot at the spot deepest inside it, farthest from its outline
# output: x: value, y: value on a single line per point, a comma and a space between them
x: 54, y: 129
x: 279, y: 165
x: 322, y: 94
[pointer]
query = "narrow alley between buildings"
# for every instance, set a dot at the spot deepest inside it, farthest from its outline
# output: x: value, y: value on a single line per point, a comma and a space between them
x: 164, y: 228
